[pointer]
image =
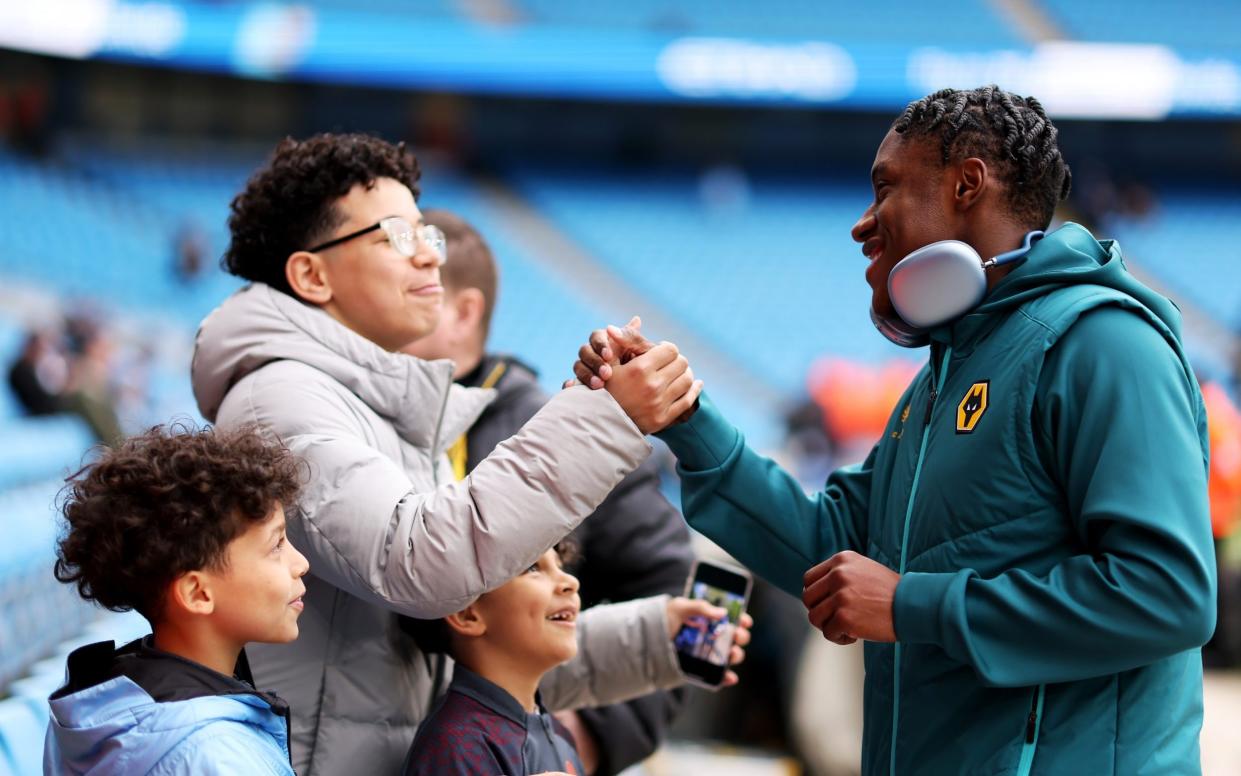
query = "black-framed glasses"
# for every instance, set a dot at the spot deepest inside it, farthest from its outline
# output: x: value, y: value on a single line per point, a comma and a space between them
x: 402, y: 235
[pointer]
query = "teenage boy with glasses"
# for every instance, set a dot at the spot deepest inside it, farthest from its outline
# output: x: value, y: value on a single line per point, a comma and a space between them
x: 308, y: 350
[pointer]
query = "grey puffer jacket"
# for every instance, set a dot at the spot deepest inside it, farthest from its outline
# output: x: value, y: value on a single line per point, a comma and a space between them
x: 387, y: 530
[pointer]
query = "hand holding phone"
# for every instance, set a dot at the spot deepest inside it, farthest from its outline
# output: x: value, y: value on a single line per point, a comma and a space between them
x: 704, y: 642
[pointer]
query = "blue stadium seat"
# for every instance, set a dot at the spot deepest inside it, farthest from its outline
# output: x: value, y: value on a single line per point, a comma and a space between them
x: 129, y: 258
x: 36, y: 611
x: 539, y: 317
x: 21, y: 737
x: 706, y: 265
x: 12, y: 337
x: 1189, y: 243
x: 42, y: 447
x: 1196, y: 27
x: 35, y: 689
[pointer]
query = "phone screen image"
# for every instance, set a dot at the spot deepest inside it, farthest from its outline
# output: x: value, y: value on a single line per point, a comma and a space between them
x: 703, y: 645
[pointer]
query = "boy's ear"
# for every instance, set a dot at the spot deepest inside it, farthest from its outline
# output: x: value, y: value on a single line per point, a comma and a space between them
x: 467, y: 622
x: 191, y: 593
x: 306, y: 275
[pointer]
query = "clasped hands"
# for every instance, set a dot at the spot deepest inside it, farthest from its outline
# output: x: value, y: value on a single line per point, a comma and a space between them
x: 848, y: 596
x: 652, y: 382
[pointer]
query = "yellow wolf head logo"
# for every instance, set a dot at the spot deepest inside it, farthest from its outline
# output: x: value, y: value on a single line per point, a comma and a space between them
x: 972, y: 407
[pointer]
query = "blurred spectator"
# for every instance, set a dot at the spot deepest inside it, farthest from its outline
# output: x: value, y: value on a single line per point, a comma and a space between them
x: 68, y: 371
x: 1224, y: 431
x: 850, y: 403
x: 811, y: 450
x: 1099, y: 197
x: 855, y: 401
x: 190, y: 250
x: 88, y: 392
x: 724, y: 189
x: 39, y: 374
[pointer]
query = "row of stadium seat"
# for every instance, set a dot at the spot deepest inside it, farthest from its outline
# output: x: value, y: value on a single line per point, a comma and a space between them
x: 36, y: 611
x: 1200, y: 26
x: 1189, y: 241
x: 1205, y: 26
x: 24, y: 715
x: 89, y: 238
x: 769, y: 274
x: 38, y: 448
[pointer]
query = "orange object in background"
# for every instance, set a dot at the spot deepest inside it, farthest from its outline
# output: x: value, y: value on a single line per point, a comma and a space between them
x: 1224, y: 432
x: 857, y: 399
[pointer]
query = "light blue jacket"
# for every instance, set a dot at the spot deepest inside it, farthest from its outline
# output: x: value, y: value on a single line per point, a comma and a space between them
x: 117, y: 727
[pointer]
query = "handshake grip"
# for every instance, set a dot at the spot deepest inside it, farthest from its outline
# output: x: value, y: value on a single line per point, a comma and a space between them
x: 652, y: 382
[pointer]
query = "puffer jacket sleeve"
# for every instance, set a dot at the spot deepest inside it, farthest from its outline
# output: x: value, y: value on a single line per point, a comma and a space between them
x: 366, y: 528
x: 624, y: 651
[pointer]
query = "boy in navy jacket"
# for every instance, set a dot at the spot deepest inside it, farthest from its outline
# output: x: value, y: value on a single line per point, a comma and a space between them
x: 491, y: 721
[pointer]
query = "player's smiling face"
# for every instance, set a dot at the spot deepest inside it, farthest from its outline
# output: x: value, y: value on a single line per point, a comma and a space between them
x: 911, y: 208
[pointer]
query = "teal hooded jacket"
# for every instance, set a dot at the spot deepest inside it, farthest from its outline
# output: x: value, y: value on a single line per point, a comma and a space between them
x: 1042, y: 489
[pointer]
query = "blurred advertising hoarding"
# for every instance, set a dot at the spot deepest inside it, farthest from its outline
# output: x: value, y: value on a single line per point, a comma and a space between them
x: 304, y: 43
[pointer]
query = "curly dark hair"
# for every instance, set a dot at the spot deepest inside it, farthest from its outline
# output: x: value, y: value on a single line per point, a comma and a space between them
x: 164, y: 503
x: 1003, y: 129
x: 434, y: 637
x: 289, y: 204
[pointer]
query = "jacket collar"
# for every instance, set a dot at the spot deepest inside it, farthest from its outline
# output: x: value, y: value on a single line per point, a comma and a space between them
x: 162, y: 675
x: 1069, y: 255
x: 491, y: 695
x: 258, y: 325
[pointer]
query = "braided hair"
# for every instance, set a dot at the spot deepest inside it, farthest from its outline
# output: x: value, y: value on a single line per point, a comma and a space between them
x: 1003, y: 129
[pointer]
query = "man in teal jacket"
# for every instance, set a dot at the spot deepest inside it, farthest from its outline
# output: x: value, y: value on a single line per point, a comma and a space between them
x: 1027, y: 550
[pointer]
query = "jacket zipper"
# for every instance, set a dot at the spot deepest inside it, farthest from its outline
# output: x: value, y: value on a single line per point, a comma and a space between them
x: 936, y: 387
x: 1033, y: 722
x: 435, y: 438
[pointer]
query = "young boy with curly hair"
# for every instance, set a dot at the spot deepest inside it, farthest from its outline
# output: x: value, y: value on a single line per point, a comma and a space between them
x: 187, y: 527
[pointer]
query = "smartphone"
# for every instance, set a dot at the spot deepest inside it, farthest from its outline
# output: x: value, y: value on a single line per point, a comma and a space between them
x: 703, y: 645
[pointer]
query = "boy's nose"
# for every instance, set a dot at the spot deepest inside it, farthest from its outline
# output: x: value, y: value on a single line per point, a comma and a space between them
x: 865, y: 225
x: 425, y: 256
x: 569, y: 583
x: 300, y: 564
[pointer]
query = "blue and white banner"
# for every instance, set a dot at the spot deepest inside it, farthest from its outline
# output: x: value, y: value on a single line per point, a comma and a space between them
x: 297, y: 42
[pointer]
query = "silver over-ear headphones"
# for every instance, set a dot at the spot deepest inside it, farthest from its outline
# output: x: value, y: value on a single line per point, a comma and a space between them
x: 936, y: 284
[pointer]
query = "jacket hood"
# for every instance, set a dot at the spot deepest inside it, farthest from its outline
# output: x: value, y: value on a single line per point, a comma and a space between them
x: 258, y: 325
x: 103, y: 721
x: 1068, y: 256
